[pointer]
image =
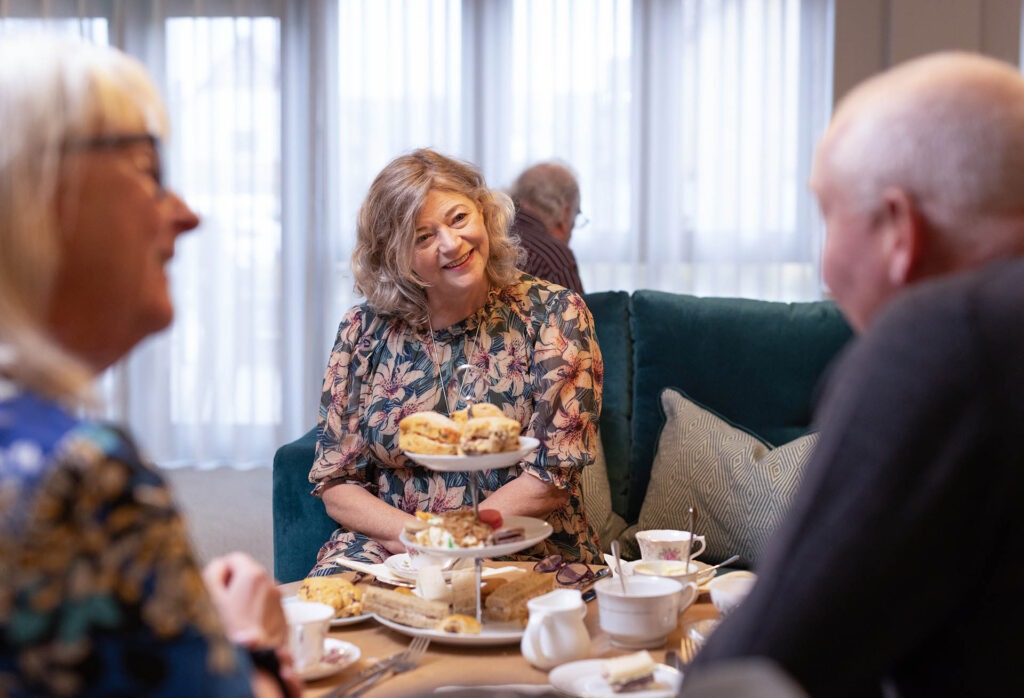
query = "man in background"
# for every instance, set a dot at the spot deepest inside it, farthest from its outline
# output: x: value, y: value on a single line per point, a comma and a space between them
x: 900, y: 567
x: 547, y: 199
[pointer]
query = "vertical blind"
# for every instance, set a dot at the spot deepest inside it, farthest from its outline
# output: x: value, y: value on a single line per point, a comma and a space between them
x: 689, y: 122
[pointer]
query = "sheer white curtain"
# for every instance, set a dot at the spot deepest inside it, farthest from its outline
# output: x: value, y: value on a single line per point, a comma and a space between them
x: 690, y: 123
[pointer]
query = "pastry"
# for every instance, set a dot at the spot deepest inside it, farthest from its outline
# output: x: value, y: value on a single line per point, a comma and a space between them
x: 451, y: 529
x: 459, y: 624
x: 407, y: 609
x: 428, y: 433
x: 489, y: 435
x: 508, y: 602
x: 483, y: 409
x: 630, y: 672
x: 335, y: 591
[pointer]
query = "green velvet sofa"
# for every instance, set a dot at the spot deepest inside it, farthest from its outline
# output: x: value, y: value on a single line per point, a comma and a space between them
x: 754, y: 364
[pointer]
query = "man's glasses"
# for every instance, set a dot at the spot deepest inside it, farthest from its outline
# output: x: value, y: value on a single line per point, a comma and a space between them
x: 565, y: 572
x: 581, y: 220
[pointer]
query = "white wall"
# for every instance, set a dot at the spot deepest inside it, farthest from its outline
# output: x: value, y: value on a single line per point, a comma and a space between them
x: 874, y: 34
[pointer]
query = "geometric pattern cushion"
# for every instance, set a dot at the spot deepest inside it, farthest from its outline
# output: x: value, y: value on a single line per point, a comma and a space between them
x: 597, y: 500
x: 739, y: 486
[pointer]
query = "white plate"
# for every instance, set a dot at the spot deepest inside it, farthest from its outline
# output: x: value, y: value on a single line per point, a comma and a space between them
x: 485, y: 461
x: 534, y: 531
x: 338, y: 654
x: 702, y: 577
x: 492, y: 633
x: 583, y: 679
x: 337, y: 622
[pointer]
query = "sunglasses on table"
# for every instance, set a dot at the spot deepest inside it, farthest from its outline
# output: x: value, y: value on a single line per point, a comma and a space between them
x: 566, y: 573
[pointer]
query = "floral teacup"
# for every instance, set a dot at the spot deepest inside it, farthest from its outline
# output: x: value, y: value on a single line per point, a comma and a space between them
x: 664, y: 544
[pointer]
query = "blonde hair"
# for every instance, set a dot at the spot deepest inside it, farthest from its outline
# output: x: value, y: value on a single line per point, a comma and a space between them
x: 382, y: 259
x: 52, y: 91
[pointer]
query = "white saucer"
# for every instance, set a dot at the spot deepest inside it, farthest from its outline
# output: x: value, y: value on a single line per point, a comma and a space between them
x: 484, y: 461
x: 338, y: 654
x: 583, y: 679
x: 703, y: 577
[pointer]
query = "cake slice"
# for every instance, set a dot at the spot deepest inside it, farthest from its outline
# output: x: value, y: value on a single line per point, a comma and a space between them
x: 630, y: 672
x: 508, y: 602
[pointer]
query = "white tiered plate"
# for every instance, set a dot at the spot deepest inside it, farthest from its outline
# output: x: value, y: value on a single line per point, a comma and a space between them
x: 484, y: 461
x: 491, y: 633
x: 534, y: 531
x: 583, y: 679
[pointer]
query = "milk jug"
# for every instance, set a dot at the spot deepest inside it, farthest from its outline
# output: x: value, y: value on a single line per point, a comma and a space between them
x: 555, y: 633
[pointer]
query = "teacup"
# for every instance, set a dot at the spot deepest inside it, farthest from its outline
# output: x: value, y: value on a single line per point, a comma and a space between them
x: 728, y: 590
x: 644, y: 615
x: 308, y: 622
x: 672, y: 569
x: 419, y: 559
x: 666, y: 544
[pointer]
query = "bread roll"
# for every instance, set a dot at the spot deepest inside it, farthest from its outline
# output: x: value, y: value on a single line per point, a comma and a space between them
x: 483, y: 409
x: 459, y: 624
x: 489, y: 435
x: 406, y: 609
x: 334, y: 591
x: 428, y: 433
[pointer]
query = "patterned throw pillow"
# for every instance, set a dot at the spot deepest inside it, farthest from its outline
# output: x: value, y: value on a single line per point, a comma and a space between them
x: 597, y: 499
x: 739, y: 486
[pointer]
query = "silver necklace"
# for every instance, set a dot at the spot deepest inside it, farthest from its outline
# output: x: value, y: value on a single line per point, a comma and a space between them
x: 461, y: 370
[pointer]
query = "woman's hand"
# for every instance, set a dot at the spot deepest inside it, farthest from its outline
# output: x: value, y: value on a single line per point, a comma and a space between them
x: 527, y: 495
x: 360, y: 511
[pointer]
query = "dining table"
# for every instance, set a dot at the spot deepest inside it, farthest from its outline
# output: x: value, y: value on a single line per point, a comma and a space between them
x: 463, y: 666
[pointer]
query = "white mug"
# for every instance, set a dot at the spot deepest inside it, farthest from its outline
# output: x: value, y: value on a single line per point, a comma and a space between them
x: 646, y: 613
x: 308, y: 623
x: 667, y: 544
x: 555, y: 633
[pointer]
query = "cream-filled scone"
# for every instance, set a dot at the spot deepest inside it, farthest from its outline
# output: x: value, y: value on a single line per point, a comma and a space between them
x: 489, y: 435
x: 429, y: 433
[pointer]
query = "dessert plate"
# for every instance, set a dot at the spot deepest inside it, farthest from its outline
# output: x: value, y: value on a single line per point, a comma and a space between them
x: 534, y: 531
x: 583, y: 679
x: 492, y: 633
x: 338, y: 654
x: 336, y: 622
x: 484, y: 461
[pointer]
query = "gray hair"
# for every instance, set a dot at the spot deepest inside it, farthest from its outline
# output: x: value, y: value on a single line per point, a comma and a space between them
x: 548, y: 189
x: 52, y: 90
x: 949, y: 130
x: 383, y: 256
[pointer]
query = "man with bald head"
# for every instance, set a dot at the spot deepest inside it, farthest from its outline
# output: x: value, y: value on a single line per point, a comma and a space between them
x: 547, y: 199
x: 899, y: 569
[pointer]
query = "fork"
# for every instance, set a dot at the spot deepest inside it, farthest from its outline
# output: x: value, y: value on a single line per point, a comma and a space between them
x: 688, y: 648
x: 406, y: 661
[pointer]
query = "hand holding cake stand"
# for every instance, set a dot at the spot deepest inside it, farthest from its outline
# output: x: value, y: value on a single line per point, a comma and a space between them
x: 534, y: 530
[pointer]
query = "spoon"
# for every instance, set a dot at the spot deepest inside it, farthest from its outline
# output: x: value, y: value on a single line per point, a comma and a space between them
x: 691, y: 515
x: 723, y: 563
x: 618, y: 565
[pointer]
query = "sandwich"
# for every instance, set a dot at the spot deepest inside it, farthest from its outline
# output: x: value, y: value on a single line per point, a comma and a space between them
x: 630, y: 672
x: 508, y: 602
x: 489, y: 435
x: 429, y: 433
x: 334, y: 591
x: 407, y: 609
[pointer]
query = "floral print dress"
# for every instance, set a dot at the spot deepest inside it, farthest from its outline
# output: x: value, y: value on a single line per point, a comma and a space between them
x: 537, y: 358
x: 99, y: 591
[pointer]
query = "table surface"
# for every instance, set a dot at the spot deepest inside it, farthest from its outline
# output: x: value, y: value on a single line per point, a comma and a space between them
x: 449, y: 665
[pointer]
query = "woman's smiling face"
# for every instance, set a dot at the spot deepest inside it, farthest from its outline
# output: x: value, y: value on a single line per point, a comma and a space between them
x: 451, y: 249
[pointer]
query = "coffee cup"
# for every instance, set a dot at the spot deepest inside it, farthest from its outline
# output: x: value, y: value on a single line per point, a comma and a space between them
x: 675, y: 570
x: 728, y: 590
x: 419, y: 559
x: 308, y: 622
x: 667, y: 544
x: 643, y: 616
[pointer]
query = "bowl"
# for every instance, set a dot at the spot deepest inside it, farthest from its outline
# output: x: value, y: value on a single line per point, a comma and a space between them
x: 728, y: 590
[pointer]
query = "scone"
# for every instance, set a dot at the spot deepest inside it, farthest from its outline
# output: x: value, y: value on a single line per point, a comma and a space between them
x: 334, y: 591
x: 489, y: 435
x: 483, y: 409
x: 428, y: 433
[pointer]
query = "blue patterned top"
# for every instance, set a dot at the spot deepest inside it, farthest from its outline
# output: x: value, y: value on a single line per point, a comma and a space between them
x: 537, y: 357
x: 99, y: 591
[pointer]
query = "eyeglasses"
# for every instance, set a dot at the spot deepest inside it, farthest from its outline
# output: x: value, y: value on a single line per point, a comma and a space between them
x: 112, y: 142
x: 565, y: 572
x: 581, y: 220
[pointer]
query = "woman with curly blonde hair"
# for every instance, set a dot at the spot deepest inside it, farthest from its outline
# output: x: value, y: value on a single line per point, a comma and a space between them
x: 438, y: 267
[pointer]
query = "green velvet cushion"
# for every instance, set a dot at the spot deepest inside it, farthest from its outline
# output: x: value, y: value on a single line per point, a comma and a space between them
x: 754, y: 362
x: 301, y: 524
x: 739, y: 486
x: 611, y: 320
